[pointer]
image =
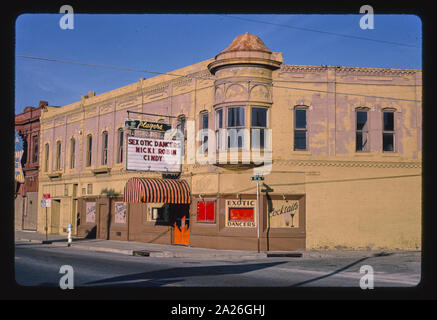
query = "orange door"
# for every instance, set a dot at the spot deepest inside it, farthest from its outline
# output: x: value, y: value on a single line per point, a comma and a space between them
x: 181, y: 231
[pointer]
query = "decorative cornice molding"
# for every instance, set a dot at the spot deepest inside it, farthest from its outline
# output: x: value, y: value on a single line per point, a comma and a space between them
x: 349, y: 164
x: 342, y: 69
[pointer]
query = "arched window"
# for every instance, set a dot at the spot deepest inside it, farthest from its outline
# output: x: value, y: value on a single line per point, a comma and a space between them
x: 72, y: 152
x: 120, y: 135
x: 46, y: 157
x: 89, y: 148
x: 105, y: 148
x: 58, y: 155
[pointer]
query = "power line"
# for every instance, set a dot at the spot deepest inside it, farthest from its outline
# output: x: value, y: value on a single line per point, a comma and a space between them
x: 109, y: 67
x: 324, y: 32
x: 207, y: 78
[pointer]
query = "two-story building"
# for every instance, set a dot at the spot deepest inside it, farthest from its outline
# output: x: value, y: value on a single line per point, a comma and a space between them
x: 26, y: 194
x: 339, y: 149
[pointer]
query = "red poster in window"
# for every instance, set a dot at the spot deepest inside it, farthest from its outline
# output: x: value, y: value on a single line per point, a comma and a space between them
x: 210, y: 211
x: 205, y: 212
x: 201, y: 212
x: 241, y: 214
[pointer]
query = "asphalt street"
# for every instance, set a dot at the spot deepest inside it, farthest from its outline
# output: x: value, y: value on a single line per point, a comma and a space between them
x: 39, y: 265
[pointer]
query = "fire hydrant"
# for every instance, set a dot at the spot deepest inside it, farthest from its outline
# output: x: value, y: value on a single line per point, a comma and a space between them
x: 69, y: 229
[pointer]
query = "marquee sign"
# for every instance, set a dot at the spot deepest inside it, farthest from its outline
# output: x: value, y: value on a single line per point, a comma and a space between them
x: 146, y: 125
x: 146, y: 154
x: 19, y: 150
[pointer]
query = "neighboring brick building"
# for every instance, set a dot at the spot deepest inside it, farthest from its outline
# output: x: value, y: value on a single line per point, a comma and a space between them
x: 27, y: 125
x: 345, y: 167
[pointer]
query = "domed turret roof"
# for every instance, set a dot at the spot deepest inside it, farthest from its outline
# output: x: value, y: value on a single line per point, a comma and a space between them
x: 247, y: 42
x: 246, y: 49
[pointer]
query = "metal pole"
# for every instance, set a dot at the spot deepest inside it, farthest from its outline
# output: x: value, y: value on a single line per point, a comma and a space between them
x: 46, y: 226
x: 257, y: 210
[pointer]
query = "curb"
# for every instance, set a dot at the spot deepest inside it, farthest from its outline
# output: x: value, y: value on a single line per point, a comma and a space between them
x: 166, y: 254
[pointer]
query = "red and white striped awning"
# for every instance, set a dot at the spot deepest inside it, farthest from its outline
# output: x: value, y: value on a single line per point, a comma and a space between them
x: 156, y: 190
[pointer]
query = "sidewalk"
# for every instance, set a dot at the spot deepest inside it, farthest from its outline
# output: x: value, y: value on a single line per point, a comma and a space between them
x: 146, y: 249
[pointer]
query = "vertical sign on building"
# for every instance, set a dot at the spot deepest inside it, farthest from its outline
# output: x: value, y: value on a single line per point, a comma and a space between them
x: 19, y: 150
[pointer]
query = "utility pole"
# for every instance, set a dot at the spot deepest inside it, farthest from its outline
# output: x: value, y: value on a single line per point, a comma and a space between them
x: 257, y: 178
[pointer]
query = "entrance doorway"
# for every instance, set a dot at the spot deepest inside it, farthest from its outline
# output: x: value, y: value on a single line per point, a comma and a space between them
x: 55, y: 216
x: 181, y: 223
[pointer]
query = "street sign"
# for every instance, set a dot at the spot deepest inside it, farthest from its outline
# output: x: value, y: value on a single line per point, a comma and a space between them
x: 257, y: 178
x: 46, y: 203
x: 46, y: 195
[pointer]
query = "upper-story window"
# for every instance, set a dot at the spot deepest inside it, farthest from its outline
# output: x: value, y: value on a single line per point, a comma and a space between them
x: 218, y: 128
x: 58, y: 155
x: 89, y: 149
x: 362, y: 130
x: 300, y: 128
x: 258, y: 127
x: 35, y: 149
x: 235, y: 128
x: 204, y: 134
x: 46, y: 157
x: 388, y: 131
x: 105, y: 148
x: 181, y: 127
x: 72, y: 152
x: 120, y: 136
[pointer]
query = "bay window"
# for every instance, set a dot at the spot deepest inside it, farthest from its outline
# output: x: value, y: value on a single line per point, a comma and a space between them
x: 236, y: 126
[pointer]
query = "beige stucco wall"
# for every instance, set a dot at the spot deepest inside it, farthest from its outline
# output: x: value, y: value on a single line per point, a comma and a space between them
x: 353, y: 200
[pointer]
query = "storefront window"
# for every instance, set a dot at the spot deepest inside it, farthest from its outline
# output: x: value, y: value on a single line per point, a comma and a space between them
x: 205, y: 211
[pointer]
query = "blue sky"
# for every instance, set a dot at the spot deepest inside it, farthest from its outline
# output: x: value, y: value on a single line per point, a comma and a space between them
x: 165, y: 42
